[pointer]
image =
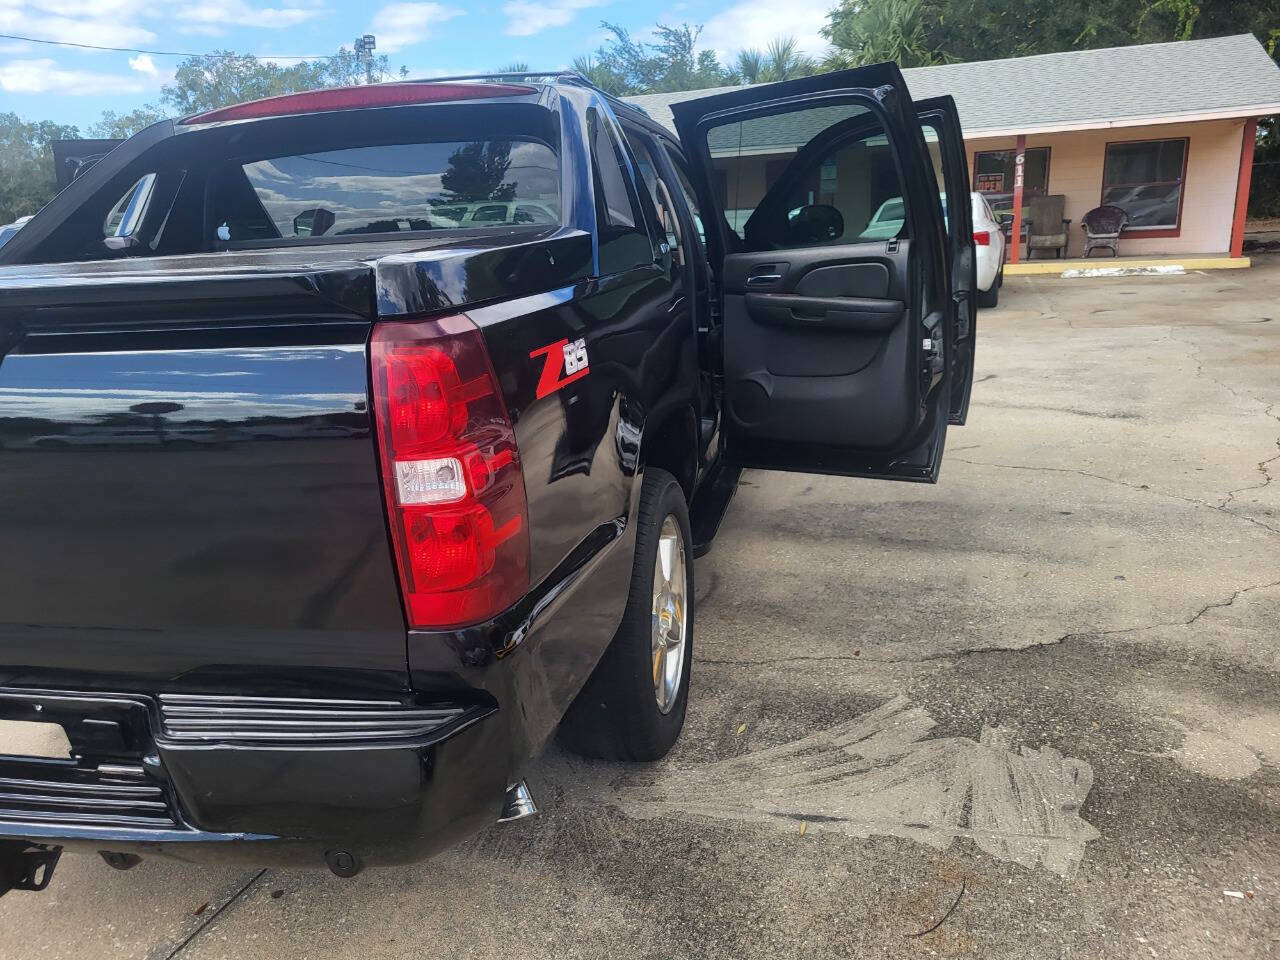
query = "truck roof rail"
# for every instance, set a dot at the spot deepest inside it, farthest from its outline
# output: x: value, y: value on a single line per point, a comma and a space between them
x: 533, y: 76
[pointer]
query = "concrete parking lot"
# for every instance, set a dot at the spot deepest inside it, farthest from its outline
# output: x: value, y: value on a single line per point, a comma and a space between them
x: 1034, y: 708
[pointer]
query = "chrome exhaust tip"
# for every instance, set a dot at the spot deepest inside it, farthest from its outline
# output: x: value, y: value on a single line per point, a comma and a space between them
x: 518, y: 803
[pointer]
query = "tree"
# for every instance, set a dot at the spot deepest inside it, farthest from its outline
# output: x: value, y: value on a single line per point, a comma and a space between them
x: 922, y: 32
x: 624, y: 65
x: 600, y: 75
x: 870, y: 31
x: 781, y: 60
x: 27, y: 179
x: 223, y: 78
x: 202, y: 83
x: 121, y: 126
x: 476, y: 172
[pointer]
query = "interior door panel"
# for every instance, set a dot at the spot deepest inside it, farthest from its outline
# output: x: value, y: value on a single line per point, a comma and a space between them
x: 831, y: 329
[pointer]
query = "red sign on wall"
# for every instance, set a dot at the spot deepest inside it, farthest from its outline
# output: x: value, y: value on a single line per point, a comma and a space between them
x: 991, y: 183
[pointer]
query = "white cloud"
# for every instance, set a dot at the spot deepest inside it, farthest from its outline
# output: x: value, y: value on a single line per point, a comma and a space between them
x: 430, y: 73
x: 400, y: 25
x: 753, y: 23
x: 216, y: 14
x: 143, y: 63
x: 131, y: 23
x: 527, y: 17
x: 45, y: 76
x: 109, y: 23
x: 200, y: 30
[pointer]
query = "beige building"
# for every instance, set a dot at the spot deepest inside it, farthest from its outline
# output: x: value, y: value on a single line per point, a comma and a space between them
x: 1164, y: 131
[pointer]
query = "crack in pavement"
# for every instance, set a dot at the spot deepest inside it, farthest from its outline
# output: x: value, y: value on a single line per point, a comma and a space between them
x: 1262, y: 466
x: 1218, y: 605
x: 1244, y: 395
x: 996, y: 647
x: 1143, y: 487
x: 796, y: 659
x: 1194, y: 351
x: 1074, y: 411
x: 1211, y: 605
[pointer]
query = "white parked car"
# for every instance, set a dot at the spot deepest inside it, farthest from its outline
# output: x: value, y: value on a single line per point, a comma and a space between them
x: 988, y: 244
x: 988, y: 241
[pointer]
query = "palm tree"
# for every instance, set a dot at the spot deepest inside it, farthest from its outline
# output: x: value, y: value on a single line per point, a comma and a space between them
x: 750, y: 66
x: 781, y: 60
x: 601, y: 76
x: 872, y: 32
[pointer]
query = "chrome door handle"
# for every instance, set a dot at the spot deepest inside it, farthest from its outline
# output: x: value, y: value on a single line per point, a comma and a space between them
x: 760, y: 279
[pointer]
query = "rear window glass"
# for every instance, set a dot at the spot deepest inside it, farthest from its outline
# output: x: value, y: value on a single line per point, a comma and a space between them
x: 388, y: 189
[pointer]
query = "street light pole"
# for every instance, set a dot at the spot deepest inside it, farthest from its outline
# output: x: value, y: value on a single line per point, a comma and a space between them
x: 364, y: 50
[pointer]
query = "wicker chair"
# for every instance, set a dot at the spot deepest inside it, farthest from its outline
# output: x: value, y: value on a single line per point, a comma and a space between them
x: 1048, y: 229
x: 1102, y: 226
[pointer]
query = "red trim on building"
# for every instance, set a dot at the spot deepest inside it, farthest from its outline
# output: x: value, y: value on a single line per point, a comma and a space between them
x: 1019, y: 172
x: 1247, y: 143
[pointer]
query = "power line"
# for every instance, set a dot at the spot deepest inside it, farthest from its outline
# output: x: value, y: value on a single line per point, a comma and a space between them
x: 172, y: 53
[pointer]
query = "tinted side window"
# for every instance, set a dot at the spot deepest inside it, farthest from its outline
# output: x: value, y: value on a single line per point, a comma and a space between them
x: 858, y: 181
x: 821, y: 175
x: 624, y: 242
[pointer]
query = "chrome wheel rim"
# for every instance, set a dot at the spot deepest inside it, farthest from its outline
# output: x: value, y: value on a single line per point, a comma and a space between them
x: 670, y: 614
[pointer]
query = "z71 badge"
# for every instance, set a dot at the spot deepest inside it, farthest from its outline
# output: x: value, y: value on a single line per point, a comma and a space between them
x: 566, y: 361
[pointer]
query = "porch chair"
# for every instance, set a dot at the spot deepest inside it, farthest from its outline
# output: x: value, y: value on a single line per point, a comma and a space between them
x: 1048, y: 230
x: 1102, y: 226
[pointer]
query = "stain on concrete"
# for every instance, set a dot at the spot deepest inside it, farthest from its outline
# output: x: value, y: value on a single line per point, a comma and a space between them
x: 878, y: 775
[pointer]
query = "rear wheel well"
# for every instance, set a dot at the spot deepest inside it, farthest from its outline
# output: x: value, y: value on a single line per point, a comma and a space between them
x: 671, y: 444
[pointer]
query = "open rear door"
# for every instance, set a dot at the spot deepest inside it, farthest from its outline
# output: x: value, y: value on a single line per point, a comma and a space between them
x: 941, y: 125
x: 832, y: 258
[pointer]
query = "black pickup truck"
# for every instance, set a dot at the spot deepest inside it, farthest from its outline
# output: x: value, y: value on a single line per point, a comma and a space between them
x: 355, y: 443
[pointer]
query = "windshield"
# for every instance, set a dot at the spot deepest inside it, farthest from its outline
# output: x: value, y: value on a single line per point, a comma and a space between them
x: 389, y: 189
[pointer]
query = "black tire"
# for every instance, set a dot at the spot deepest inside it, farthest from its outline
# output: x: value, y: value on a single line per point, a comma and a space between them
x: 991, y: 298
x: 616, y: 716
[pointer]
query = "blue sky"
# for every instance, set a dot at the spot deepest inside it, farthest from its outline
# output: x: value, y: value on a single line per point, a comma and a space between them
x: 69, y: 85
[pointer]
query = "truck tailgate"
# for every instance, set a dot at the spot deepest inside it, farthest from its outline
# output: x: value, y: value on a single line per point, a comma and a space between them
x: 189, y: 489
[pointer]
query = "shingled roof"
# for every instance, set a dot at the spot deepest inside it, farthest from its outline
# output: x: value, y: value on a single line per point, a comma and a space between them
x: 1087, y: 89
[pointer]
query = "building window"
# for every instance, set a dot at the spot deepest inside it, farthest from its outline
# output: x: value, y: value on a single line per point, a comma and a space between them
x: 1144, y: 178
x: 993, y: 175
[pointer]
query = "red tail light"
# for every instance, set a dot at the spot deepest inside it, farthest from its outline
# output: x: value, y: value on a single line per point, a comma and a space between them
x: 982, y: 238
x: 450, y: 472
x: 357, y: 98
